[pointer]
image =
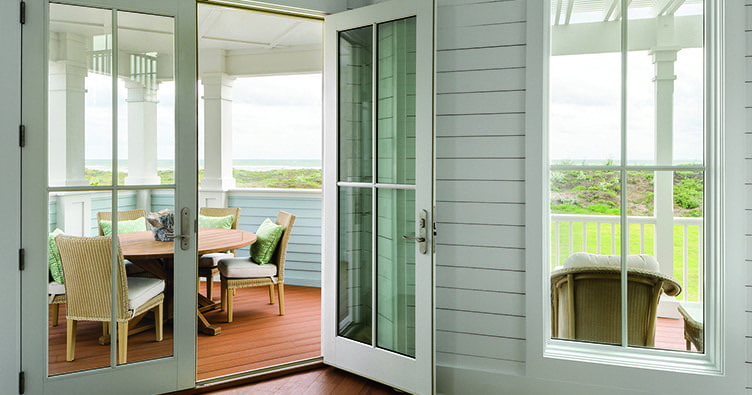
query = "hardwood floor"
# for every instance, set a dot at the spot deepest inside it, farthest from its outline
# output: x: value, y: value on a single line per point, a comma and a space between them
x: 326, y: 380
x: 258, y: 336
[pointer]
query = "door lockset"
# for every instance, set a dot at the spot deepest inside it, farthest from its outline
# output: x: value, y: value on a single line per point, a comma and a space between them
x: 421, y: 239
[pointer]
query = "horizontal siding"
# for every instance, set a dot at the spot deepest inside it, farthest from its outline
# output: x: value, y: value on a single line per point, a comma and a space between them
x: 748, y: 179
x: 303, y: 263
x: 480, y: 196
x: 52, y: 212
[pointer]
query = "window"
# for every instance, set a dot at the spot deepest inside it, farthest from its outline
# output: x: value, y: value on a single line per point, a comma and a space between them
x: 628, y: 175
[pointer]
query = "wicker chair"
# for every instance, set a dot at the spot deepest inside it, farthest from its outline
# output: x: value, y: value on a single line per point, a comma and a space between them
x: 586, y: 298
x: 56, y: 296
x: 207, y: 264
x: 87, y: 272
x: 243, y: 272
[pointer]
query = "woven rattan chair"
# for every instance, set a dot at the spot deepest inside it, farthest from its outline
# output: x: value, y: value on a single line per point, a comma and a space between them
x: 586, y: 298
x: 87, y: 272
x: 244, y: 272
x: 56, y: 295
x: 207, y: 264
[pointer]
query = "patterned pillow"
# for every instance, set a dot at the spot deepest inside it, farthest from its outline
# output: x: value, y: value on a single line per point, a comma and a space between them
x: 56, y: 267
x: 215, y: 222
x: 136, y: 225
x: 267, y: 237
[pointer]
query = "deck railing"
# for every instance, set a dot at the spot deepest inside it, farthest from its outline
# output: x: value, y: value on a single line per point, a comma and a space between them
x: 601, y: 234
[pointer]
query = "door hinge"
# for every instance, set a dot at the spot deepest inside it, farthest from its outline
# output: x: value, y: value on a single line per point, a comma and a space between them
x: 21, y: 382
x: 21, y: 136
x: 21, y: 259
x: 22, y: 13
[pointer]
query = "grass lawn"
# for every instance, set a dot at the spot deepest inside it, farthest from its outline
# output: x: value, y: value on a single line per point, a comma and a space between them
x: 609, y: 248
x: 280, y: 178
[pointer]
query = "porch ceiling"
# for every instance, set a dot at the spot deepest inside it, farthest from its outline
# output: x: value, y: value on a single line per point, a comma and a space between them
x: 564, y: 12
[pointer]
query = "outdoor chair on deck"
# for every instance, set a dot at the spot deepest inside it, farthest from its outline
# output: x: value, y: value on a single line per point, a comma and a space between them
x: 207, y: 263
x: 87, y: 272
x: 129, y: 215
x: 586, y: 298
x: 245, y: 272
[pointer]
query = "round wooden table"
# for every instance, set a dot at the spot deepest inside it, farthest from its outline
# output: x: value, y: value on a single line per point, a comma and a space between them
x: 157, y: 258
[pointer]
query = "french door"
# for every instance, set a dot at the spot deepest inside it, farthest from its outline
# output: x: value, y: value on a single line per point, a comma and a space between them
x: 378, y: 179
x: 109, y: 108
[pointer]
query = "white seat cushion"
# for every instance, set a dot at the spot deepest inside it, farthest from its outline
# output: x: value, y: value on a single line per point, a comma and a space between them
x: 212, y: 260
x: 245, y: 268
x: 142, y: 289
x: 639, y: 262
x: 56, y: 288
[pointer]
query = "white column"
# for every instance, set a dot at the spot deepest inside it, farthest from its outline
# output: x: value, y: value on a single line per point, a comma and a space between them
x: 142, y: 134
x: 664, y: 59
x: 218, y: 176
x: 67, y: 76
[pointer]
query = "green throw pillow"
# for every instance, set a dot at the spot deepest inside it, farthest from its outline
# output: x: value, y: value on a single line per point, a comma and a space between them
x: 215, y: 222
x: 56, y: 267
x: 136, y: 225
x: 267, y: 237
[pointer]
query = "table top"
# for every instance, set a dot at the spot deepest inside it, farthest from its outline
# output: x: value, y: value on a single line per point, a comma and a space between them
x: 141, y: 245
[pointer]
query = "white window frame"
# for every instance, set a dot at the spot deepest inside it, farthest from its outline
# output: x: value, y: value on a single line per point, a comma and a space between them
x: 722, y: 367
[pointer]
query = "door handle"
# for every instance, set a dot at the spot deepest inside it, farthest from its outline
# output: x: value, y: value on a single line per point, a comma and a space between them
x: 185, y: 229
x: 421, y: 238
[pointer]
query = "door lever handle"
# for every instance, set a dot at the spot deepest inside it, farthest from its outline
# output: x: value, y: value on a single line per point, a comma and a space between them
x: 418, y: 239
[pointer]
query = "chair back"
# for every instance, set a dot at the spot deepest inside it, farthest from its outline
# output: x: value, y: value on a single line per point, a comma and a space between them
x: 87, y: 273
x: 222, y: 212
x: 286, y: 220
x: 128, y: 215
x: 586, y: 299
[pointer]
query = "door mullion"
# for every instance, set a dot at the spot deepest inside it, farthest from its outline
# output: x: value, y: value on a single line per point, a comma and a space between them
x: 114, y: 245
x: 374, y: 180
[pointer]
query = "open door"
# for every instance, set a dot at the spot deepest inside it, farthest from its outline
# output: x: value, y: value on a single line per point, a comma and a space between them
x: 377, y: 308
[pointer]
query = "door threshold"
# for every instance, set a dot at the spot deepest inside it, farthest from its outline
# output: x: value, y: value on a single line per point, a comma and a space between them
x: 253, y: 376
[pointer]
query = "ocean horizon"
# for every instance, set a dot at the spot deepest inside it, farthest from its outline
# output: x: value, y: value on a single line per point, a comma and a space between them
x: 240, y: 164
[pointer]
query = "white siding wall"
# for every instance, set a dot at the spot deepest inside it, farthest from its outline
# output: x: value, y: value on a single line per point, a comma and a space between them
x: 748, y: 185
x: 480, y: 153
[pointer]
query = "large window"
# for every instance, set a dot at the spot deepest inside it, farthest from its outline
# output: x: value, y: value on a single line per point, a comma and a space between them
x: 627, y: 175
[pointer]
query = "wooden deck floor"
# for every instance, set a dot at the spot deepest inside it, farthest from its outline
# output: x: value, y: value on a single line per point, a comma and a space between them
x: 258, y: 336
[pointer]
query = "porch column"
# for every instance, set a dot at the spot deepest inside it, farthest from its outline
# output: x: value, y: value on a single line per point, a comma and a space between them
x: 664, y: 60
x: 218, y: 176
x: 142, y: 139
x: 67, y: 89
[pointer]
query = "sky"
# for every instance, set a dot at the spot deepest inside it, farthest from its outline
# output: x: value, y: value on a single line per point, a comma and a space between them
x: 585, y: 107
x: 274, y: 117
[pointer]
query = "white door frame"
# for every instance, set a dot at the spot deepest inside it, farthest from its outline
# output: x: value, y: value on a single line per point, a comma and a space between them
x: 155, y: 376
x: 414, y: 375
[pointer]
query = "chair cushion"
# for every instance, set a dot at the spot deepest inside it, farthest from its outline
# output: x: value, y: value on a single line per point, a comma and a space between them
x: 136, y: 225
x: 267, y: 238
x: 639, y: 262
x: 211, y: 260
x: 245, y: 268
x: 56, y: 268
x: 142, y: 289
x: 56, y: 288
x: 205, y: 221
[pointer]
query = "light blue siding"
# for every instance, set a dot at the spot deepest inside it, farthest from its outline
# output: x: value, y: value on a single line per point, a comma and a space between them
x: 126, y: 201
x: 52, y: 210
x: 303, y: 264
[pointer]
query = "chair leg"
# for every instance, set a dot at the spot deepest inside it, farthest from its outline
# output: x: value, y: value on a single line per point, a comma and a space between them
x: 105, y: 328
x: 281, y: 290
x: 209, y: 286
x: 223, y: 293
x: 159, y: 321
x: 271, y: 293
x: 55, y: 313
x: 122, y: 342
x: 70, y: 344
x: 230, y: 295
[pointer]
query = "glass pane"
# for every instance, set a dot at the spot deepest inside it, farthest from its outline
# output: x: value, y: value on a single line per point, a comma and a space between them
x: 395, y: 265
x: 355, y: 273
x: 80, y: 96
x: 146, y: 95
x: 71, y: 285
x: 669, y: 234
x: 586, y: 243
x: 142, y: 226
x: 396, y: 102
x: 585, y: 87
x: 356, y: 105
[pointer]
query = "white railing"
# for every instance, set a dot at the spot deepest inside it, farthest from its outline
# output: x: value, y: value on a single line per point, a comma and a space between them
x: 605, y: 227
